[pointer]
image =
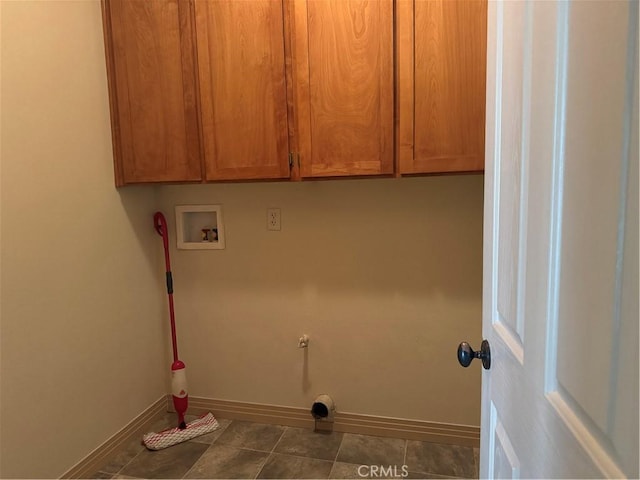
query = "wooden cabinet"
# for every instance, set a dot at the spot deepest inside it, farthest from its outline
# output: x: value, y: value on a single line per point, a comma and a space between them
x: 152, y: 88
x: 342, y: 74
x: 243, y: 96
x: 205, y: 90
x: 441, y: 48
x: 197, y: 90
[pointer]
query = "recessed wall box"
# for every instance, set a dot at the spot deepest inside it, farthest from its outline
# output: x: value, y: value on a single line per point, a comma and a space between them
x: 199, y: 227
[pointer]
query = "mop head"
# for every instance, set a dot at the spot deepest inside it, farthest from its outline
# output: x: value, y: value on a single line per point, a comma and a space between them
x: 172, y: 436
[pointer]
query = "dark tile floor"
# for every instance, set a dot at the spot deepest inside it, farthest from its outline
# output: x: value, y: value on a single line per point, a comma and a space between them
x: 252, y: 450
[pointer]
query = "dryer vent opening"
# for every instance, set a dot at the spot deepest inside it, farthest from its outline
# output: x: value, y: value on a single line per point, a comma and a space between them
x: 323, y: 408
x: 319, y: 410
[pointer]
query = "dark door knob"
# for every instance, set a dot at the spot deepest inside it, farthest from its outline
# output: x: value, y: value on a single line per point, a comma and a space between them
x: 466, y: 354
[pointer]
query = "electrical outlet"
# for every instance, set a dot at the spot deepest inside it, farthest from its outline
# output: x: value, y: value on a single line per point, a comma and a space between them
x: 273, y: 219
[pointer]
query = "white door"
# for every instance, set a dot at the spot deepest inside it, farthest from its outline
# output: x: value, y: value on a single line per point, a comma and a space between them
x: 561, y: 241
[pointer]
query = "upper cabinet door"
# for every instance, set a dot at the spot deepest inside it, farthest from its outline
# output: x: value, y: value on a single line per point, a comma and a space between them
x: 342, y: 59
x: 441, y: 85
x: 243, y: 96
x: 152, y: 86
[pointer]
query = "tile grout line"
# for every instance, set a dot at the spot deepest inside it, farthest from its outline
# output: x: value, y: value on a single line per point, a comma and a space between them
x: 144, y: 449
x: 404, y: 457
x: 337, y: 453
x: 340, y: 447
x: 279, y: 439
x: 264, y: 462
x: 222, y: 430
x: 119, y: 472
x: 303, y: 457
x: 476, y: 463
x: 209, y: 446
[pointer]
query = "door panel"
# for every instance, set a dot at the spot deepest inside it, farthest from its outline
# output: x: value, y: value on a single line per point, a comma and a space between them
x: 343, y: 87
x: 150, y: 57
x: 561, y: 241
x: 595, y: 224
x: 513, y: 167
x: 242, y: 89
x: 449, y: 84
x: 440, y: 105
x: 506, y: 463
x: 592, y: 168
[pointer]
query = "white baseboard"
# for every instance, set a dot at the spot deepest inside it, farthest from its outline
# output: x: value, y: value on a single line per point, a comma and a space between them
x: 343, y: 422
x: 101, y: 455
x: 277, y: 415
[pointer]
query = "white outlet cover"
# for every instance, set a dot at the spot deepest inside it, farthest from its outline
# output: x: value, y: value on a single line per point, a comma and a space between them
x: 273, y: 219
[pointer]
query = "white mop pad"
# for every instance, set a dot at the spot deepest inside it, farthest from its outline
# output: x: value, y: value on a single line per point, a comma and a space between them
x: 172, y: 436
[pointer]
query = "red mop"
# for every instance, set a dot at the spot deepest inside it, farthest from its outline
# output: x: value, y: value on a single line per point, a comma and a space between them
x: 184, y: 431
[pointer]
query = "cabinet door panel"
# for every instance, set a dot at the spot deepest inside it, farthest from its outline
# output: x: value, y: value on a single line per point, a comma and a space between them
x: 150, y: 57
x: 442, y: 58
x: 242, y: 89
x: 343, y: 61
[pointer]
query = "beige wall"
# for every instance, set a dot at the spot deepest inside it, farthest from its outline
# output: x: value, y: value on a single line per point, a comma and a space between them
x: 384, y: 275
x: 82, y: 347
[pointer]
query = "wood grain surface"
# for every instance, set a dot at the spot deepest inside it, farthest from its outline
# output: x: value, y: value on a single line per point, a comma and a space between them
x: 442, y: 57
x: 151, y: 70
x: 343, y: 61
x: 243, y: 95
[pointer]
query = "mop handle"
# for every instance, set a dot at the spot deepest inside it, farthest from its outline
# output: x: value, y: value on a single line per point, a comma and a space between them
x: 160, y: 224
